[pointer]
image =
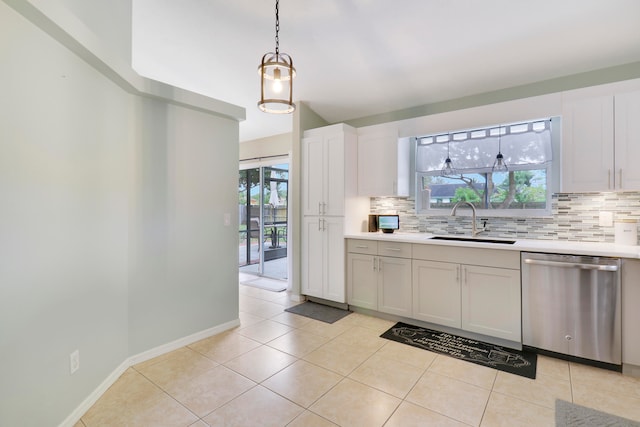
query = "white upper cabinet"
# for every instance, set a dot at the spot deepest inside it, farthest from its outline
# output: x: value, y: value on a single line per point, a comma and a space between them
x: 323, y: 179
x: 599, y: 139
x: 383, y: 165
x: 587, y: 144
x: 627, y: 140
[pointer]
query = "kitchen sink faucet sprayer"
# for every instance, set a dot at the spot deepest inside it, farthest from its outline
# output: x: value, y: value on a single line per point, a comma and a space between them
x: 474, y: 230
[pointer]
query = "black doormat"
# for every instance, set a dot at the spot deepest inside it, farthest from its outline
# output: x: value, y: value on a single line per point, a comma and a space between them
x: 572, y: 415
x: 316, y: 311
x: 505, y: 359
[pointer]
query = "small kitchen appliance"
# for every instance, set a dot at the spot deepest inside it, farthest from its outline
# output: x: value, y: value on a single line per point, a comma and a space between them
x: 373, y: 223
x: 388, y: 223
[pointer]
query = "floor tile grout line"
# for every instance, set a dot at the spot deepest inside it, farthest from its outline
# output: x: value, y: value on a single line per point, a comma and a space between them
x: 166, y: 392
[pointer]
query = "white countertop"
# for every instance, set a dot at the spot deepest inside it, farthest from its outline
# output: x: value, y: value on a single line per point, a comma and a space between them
x: 523, y: 245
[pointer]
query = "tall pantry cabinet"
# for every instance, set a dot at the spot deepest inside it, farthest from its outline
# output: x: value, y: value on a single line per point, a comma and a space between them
x: 328, y: 179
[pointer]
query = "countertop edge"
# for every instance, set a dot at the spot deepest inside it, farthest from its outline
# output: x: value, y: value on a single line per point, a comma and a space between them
x: 522, y: 245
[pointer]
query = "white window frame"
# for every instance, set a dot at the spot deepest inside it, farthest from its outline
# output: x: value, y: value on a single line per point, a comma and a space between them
x: 552, y: 184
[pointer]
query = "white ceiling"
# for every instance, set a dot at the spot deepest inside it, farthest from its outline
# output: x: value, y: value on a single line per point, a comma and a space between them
x: 356, y: 58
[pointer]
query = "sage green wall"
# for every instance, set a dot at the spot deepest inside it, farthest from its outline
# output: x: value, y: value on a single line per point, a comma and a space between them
x: 183, y: 277
x: 64, y: 179
x: 109, y: 20
x: 112, y: 223
x: 591, y: 78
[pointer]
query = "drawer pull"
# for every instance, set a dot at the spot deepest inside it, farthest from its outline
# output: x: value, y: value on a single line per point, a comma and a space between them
x: 393, y: 249
x: 362, y: 247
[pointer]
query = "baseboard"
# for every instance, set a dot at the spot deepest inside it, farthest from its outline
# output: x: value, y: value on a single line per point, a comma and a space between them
x: 181, y: 342
x: 631, y: 370
x: 297, y: 298
x: 75, y: 416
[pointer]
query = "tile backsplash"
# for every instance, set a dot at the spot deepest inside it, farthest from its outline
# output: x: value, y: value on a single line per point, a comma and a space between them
x: 575, y: 216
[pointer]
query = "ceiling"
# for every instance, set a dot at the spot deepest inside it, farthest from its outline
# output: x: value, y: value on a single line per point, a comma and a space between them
x: 357, y: 58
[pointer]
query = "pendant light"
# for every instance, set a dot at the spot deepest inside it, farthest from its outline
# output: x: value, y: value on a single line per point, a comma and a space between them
x: 499, y: 165
x: 447, y: 167
x: 276, y: 78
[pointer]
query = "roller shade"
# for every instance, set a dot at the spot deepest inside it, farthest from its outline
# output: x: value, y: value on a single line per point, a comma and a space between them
x: 524, y: 146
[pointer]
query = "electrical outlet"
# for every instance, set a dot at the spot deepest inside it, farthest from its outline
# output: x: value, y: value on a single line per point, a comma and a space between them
x: 606, y: 219
x: 74, y: 361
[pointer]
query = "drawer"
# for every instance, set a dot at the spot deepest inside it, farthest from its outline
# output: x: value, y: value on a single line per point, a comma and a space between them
x: 470, y: 256
x: 361, y: 246
x: 394, y: 249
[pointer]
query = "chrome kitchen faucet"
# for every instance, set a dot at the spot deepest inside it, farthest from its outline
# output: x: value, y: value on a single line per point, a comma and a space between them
x: 474, y: 230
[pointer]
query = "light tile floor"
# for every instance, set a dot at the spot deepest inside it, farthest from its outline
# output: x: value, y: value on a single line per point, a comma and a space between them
x: 281, y: 369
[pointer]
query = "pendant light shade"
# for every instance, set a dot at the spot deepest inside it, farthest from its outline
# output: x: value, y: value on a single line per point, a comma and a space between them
x: 447, y: 167
x: 500, y: 165
x: 276, y: 73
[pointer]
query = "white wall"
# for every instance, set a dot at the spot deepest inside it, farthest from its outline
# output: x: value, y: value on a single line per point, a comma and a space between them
x: 112, y: 239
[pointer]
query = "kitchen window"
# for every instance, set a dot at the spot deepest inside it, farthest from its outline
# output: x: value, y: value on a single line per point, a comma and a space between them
x: 524, y: 189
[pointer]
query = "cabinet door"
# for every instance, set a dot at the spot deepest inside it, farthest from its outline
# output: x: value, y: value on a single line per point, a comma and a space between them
x: 334, y: 177
x: 491, y: 302
x: 377, y: 165
x: 630, y: 312
x: 362, y: 281
x: 436, y: 292
x: 394, y: 286
x: 312, y: 175
x: 627, y: 133
x: 333, y: 230
x: 587, y: 144
x: 313, y: 268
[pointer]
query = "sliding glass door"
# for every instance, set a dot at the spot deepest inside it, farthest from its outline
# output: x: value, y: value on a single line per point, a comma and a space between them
x: 263, y: 197
x: 249, y: 206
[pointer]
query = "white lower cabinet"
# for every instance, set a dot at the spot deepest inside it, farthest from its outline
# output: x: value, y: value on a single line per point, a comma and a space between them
x: 485, y: 300
x: 436, y: 292
x: 381, y: 283
x: 491, y: 303
x: 394, y: 286
x: 421, y: 282
x: 362, y: 281
x: 323, y: 258
x: 630, y: 312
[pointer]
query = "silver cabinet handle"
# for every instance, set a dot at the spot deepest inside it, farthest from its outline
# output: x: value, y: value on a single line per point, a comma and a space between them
x: 319, y: 208
x: 620, y: 184
x: 379, y: 265
x: 392, y: 249
x: 571, y: 265
x: 362, y: 247
x: 324, y: 208
x: 375, y: 264
x: 457, y: 273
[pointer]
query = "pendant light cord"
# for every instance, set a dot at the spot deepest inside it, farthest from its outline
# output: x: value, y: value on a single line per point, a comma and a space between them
x: 277, y: 28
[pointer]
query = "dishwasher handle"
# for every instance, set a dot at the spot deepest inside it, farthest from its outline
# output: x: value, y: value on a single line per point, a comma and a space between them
x: 571, y: 265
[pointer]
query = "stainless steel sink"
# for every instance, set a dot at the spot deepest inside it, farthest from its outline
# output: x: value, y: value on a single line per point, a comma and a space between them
x: 472, y: 239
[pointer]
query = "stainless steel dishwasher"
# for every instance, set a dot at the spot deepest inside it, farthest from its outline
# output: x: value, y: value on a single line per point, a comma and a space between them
x: 571, y: 305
